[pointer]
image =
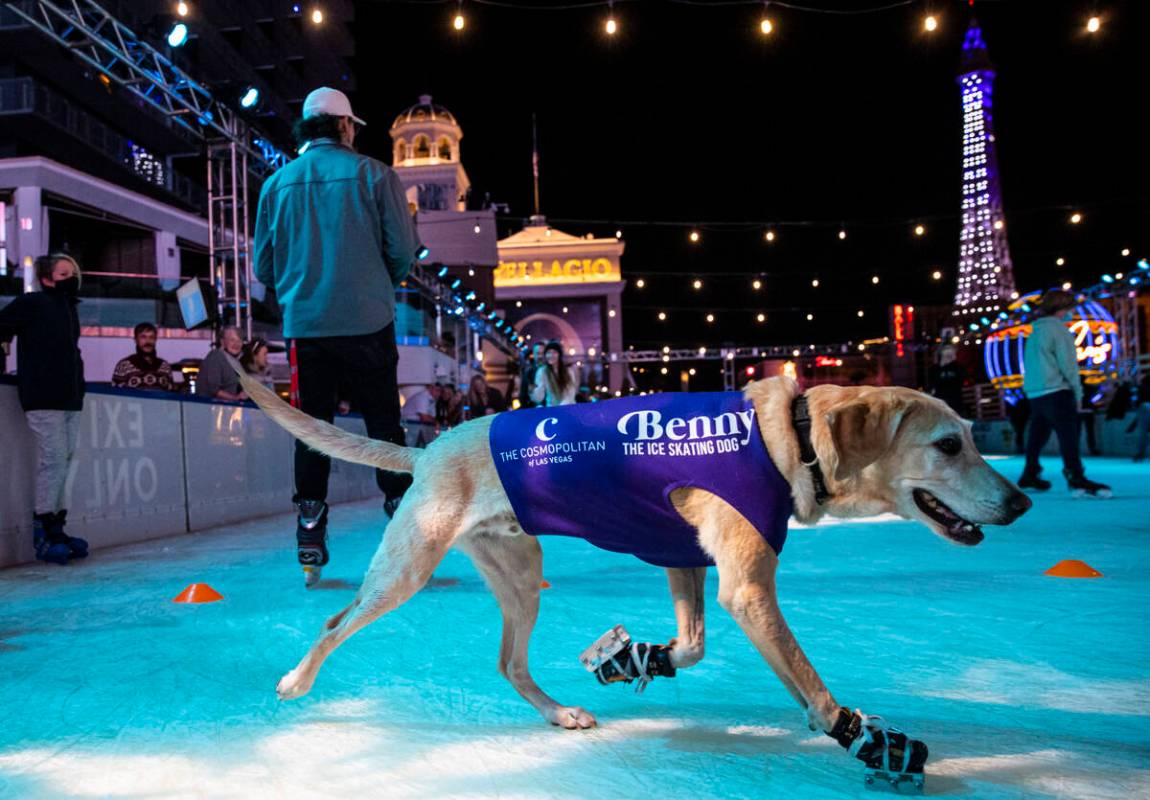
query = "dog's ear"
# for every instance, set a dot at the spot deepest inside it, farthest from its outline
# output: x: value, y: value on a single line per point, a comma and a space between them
x: 862, y: 430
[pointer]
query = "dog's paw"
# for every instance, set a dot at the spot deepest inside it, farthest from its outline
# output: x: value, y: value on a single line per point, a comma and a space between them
x: 572, y: 718
x: 292, y: 686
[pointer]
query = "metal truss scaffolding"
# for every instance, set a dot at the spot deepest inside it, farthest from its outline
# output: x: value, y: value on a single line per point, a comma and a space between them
x: 229, y: 237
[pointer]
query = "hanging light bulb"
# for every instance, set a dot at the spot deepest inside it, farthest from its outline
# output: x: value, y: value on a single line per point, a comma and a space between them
x: 639, y: 284
x: 698, y: 284
x: 710, y: 318
x: 766, y: 27
x: 618, y: 234
x: 662, y: 316
x: 999, y: 224
x: 182, y: 9
x: 769, y: 236
x: 1093, y: 24
x: 761, y: 318
x: 860, y: 312
x: 459, y: 21
x: 1060, y: 261
x: 694, y: 237
x: 1075, y: 218
x: 919, y: 230
x: 930, y: 23
x: 756, y: 285
x: 317, y: 16
x: 611, y: 26
x: 937, y: 275
x: 1125, y: 251
x: 842, y: 235
x: 815, y: 283
x: 874, y: 279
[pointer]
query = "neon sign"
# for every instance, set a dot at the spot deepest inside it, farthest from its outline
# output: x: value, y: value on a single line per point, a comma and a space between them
x: 571, y: 270
x: 827, y: 361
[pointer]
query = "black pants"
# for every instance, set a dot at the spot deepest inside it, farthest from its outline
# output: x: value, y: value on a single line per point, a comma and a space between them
x: 1056, y: 411
x: 364, y: 369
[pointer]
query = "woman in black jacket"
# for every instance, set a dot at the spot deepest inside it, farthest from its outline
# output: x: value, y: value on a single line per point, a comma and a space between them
x: 50, y: 377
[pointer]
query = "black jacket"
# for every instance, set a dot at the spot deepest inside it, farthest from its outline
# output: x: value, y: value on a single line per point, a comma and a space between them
x: 49, y: 370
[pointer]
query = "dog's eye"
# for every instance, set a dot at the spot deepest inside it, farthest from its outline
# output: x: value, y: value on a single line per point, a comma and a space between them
x: 949, y: 445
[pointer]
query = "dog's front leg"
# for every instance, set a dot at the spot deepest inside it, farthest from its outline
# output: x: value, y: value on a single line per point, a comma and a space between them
x: 687, y: 593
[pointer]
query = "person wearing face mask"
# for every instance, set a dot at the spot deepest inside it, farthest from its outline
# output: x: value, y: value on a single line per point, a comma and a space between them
x: 50, y: 378
x: 1050, y: 382
x: 144, y: 370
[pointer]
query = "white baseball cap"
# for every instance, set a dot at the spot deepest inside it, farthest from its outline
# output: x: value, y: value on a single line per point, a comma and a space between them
x: 329, y: 101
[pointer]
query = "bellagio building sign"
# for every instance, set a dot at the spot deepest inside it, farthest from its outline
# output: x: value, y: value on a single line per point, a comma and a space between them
x: 554, y: 286
x: 571, y: 270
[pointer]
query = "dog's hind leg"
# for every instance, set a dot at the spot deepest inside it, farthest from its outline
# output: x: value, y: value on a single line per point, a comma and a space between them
x: 405, y: 560
x: 687, y: 592
x: 512, y: 565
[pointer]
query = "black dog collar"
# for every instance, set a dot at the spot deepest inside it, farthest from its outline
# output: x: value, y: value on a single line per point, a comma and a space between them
x: 801, y: 420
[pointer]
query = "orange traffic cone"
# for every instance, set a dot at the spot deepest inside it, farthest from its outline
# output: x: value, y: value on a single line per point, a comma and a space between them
x: 198, y: 593
x: 545, y: 584
x: 1073, y: 568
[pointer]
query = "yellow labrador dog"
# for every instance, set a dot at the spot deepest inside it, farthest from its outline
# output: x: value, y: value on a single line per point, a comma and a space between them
x: 878, y: 450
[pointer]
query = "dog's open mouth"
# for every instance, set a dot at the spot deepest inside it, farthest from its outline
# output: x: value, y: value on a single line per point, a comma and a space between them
x: 955, y: 527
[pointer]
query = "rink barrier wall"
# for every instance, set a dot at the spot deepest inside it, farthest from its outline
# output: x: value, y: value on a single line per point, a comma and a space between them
x: 149, y: 465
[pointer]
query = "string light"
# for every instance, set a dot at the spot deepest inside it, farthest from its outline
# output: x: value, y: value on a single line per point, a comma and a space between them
x: 761, y: 318
x: 1093, y: 24
x: 769, y: 236
x: 1066, y: 286
x: 1125, y: 251
x: 317, y: 16
x: 611, y: 26
x: 1075, y: 218
x: 666, y: 349
x: 458, y: 22
x: 698, y: 284
x: 663, y: 370
x: 618, y: 234
x: 930, y: 23
x: 182, y: 9
x: 874, y: 279
x: 639, y: 284
x: 842, y: 235
x: 766, y: 27
x: 815, y: 283
x: 937, y: 275
x: 691, y: 371
x: 999, y: 224
x: 710, y: 318
x: 919, y: 230
x: 860, y: 312
x: 662, y: 316
x: 694, y: 237
x: 1060, y: 261
x: 757, y: 284
x: 810, y: 317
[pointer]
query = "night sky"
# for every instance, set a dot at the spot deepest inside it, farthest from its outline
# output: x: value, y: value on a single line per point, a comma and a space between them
x: 689, y: 115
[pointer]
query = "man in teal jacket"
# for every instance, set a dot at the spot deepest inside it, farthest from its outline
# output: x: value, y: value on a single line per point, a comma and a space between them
x: 334, y: 238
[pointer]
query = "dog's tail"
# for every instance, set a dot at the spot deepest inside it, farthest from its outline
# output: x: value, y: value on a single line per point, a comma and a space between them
x: 324, y: 437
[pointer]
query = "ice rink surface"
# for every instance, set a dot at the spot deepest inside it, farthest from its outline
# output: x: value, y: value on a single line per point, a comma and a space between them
x: 1022, y: 685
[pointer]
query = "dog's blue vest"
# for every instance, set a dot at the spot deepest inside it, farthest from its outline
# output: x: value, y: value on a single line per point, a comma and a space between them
x: 604, y: 472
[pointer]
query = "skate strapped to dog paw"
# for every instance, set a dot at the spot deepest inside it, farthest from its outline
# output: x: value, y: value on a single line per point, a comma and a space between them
x: 893, y: 761
x: 614, y: 657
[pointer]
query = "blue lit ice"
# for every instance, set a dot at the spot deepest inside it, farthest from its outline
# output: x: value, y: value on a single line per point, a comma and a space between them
x: 1022, y: 685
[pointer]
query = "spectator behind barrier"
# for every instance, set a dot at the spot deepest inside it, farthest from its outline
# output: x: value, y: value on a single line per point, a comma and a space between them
x: 145, y: 369
x: 217, y: 379
x: 50, y: 379
x: 555, y: 385
x: 419, y: 415
x: 254, y: 360
x: 449, y: 407
x: 482, y: 399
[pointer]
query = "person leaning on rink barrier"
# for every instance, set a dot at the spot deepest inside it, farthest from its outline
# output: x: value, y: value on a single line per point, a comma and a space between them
x: 334, y: 237
x: 555, y: 385
x: 216, y: 378
x: 144, y: 369
x: 50, y: 377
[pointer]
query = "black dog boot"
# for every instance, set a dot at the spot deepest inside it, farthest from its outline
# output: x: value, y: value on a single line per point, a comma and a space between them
x: 77, y: 546
x: 311, y: 539
x: 46, y: 543
x: 615, y: 658
x: 894, y: 762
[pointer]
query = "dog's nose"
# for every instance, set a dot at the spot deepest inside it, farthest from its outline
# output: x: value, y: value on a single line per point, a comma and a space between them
x: 1019, y: 504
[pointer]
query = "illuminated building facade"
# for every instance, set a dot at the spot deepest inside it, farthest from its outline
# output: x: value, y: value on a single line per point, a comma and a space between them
x: 985, y: 277
x: 552, y: 285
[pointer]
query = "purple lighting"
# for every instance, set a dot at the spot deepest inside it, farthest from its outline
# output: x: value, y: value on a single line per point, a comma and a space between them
x: 985, y: 276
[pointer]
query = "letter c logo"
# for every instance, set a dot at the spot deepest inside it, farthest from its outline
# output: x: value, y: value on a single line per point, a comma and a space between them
x: 541, y: 429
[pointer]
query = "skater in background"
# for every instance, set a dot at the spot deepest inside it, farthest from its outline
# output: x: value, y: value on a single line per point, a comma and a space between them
x: 1142, y: 417
x: 1018, y: 413
x: 947, y: 378
x: 554, y: 383
x: 335, y: 238
x: 1051, y: 384
x: 50, y: 380
x: 216, y: 378
x: 527, y: 370
x: 144, y: 369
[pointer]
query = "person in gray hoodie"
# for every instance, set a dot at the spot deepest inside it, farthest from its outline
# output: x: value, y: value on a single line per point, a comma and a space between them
x: 1051, y: 384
